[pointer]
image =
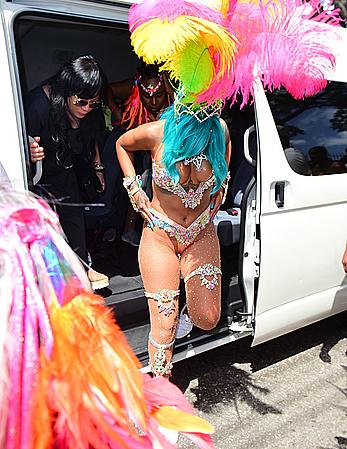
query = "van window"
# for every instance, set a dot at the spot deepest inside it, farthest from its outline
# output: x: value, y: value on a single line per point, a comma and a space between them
x: 313, y: 131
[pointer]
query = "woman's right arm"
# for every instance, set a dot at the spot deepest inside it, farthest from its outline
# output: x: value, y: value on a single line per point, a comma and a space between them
x: 144, y: 138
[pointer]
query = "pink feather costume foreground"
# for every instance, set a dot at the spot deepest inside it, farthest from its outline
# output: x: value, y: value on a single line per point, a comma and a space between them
x: 282, y: 43
x: 68, y: 377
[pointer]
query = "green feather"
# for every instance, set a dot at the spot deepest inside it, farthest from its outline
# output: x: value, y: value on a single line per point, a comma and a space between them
x: 195, y: 68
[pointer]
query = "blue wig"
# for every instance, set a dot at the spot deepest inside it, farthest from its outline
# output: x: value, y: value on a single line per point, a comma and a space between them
x: 186, y: 137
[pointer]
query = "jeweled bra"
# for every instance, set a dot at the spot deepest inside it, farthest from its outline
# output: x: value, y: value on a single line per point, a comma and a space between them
x: 190, y: 199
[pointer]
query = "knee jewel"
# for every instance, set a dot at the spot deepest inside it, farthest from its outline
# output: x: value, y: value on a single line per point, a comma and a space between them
x: 165, y: 299
x: 206, y: 272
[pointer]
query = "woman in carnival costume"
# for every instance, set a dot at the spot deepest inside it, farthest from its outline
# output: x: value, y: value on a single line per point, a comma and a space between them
x: 68, y: 377
x: 145, y: 97
x: 215, y: 49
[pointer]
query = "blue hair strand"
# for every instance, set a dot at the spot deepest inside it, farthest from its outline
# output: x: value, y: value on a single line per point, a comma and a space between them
x: 186, y: 137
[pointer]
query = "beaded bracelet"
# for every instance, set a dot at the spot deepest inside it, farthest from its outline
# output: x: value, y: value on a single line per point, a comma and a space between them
x: 128, y: 182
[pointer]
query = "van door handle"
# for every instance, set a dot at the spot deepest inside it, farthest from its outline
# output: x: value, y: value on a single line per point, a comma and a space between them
x: 279, y: 193
x: 246, y: 152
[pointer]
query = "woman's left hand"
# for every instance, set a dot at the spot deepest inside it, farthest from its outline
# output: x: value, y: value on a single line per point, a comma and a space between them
x: 101, y: 177
x: 216, y: 202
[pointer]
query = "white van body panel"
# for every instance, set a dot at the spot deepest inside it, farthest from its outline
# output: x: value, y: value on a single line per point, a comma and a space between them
x: 77, y: 7
x: 301, y: 276
x: 11, y: 156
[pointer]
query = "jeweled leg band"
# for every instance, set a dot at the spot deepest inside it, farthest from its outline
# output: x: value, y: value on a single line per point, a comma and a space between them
x: 203, y: 271
x: 165, y: 300
x: 160, y: 367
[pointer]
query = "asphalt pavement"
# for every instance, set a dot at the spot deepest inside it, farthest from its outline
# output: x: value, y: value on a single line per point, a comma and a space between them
x: 290, y: 393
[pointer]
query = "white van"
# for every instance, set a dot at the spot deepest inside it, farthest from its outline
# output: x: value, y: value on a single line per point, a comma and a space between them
x: 282, y: 233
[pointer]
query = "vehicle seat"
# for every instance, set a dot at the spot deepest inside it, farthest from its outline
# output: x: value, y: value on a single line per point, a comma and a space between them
x: 228, y: 221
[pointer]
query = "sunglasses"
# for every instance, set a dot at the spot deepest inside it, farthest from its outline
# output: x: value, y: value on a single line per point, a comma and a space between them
x: 80, y: 102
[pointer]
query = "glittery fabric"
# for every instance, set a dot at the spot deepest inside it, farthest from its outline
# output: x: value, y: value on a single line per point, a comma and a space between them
x: 190, y: 199
x: 53, y: 395
x: 185, y: 236
x: 162, y: 263
x: 25, y: 228
x: 24, y: 238
x: 15, y: 361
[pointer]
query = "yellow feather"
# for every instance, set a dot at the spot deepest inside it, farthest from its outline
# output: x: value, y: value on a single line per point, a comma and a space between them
x: 158, y: 41
x: 175, y: 419
x: 224, y: 7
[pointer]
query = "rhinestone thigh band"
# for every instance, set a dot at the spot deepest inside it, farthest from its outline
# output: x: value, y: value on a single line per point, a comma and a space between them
x: 165, y: 300
x: 160, y: 367
x: 204, y: 271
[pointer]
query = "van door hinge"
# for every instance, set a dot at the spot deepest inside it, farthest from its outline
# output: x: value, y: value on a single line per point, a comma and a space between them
x: 257, y: 255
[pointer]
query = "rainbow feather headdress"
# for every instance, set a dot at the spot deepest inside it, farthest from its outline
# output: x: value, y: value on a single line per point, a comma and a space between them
x: 216, y: 49
x: 68, y: 378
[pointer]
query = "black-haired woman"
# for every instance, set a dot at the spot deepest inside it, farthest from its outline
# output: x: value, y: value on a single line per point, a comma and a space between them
x: 64, y: 117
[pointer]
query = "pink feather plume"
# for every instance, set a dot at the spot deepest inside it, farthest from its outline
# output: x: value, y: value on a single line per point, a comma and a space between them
x: 279, y: 46
x: 170, y: 10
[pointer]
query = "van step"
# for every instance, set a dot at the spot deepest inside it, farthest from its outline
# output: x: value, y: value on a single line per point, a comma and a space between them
x: 138, y: 338
x: 125, y: 295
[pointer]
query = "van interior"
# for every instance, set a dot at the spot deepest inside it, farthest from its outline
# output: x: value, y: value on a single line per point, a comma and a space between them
x: 43, y: 44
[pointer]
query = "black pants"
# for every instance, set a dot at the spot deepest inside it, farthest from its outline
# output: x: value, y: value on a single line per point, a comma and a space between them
x: 73, y: 223
x: 114, y: 199
x: 62, y: 192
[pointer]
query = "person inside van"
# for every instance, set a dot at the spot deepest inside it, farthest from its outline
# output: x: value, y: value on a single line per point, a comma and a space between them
x: 64, y: 116
x: 320, y: 161
x: 296, y: 159
x: 134, y: 102
x: 140, y: 100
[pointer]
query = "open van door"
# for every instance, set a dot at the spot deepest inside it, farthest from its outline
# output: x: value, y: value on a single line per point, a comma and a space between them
x: 25, y: 63
x: 302, y: 219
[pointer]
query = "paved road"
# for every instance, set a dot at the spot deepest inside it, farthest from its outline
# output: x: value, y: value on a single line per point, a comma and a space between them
x: 290, y: 393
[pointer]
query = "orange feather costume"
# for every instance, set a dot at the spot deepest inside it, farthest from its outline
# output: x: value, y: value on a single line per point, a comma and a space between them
x: 69, y: 378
